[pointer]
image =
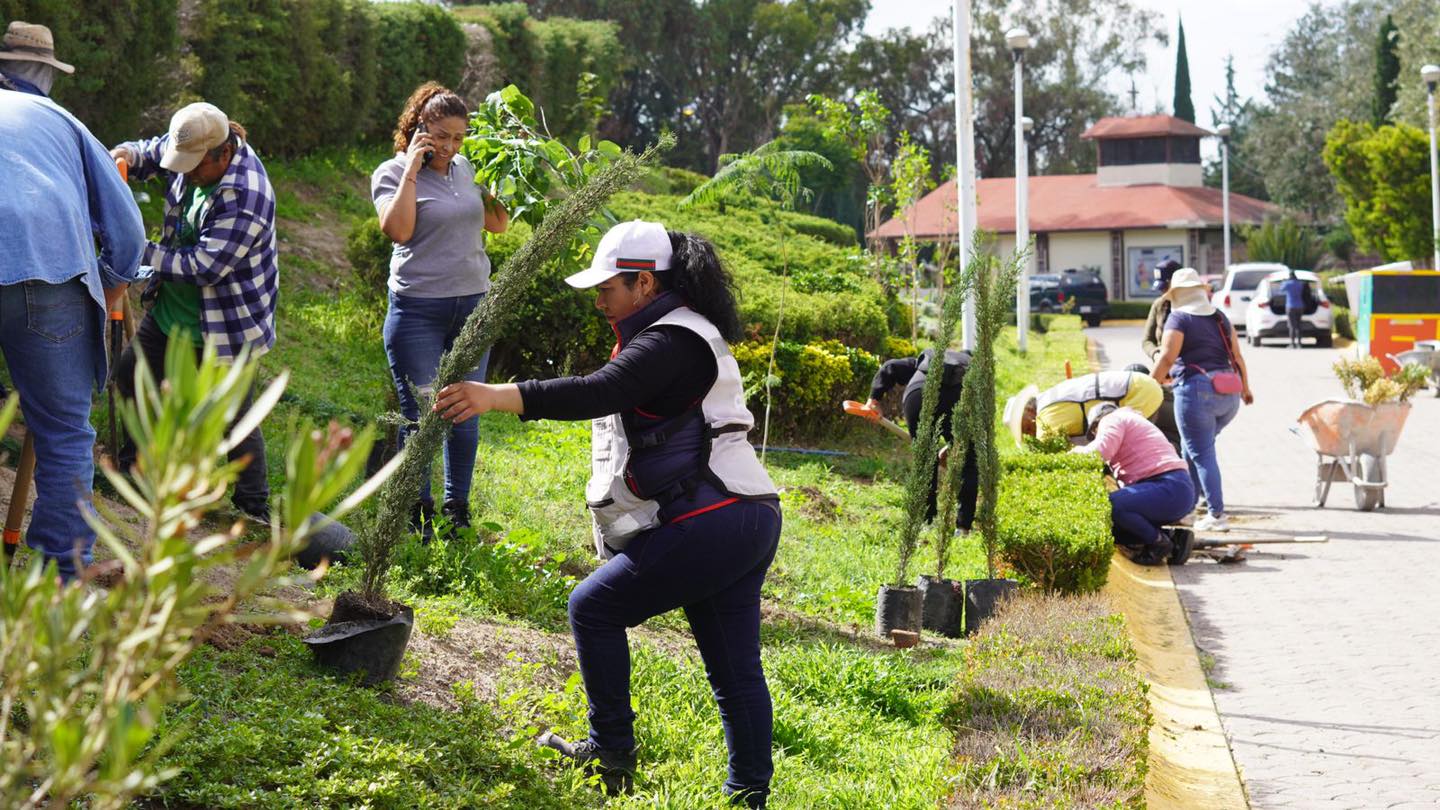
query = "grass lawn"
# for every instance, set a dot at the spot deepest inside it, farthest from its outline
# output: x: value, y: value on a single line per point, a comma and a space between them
x: 858, y: 724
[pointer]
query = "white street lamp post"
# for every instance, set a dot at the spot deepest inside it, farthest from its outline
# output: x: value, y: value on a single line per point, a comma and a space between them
x: 1019, y: 40
x: 1431, y: 75
x: 965, y: 157
x: 1224, y: 132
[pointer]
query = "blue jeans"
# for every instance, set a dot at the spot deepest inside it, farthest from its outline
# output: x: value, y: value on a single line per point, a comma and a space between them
x: 1202, y: 414
x: 51, y: 337
x: 712, y: 565
x: 417, y: 331
x: 1139, y: 510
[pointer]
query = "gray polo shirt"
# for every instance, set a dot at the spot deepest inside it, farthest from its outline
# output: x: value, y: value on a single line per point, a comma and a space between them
x: 445, y: 256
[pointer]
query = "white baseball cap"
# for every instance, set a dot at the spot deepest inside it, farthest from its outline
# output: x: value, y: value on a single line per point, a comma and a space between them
x: 194, y: 130
x: 629, y: 247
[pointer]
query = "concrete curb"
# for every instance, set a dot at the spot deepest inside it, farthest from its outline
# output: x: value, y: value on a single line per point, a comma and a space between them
x: 1191, y: 765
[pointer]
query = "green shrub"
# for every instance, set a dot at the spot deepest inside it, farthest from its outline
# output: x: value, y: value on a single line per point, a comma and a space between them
x: 123, y: 52
x: 831, y: 294
x: 826, y: 230
x: 898, y: 347
x: 548, y: 58
x: 813, y: 379
x: 505, y: 575
x: 1055, y: 521
x: 1128, y: 311
x: 1342, y: 324
x: 1285, y: 241
x: 1049, y: 709
x: 417, y: 43
x: 301, y: 74
x: 368, y: 250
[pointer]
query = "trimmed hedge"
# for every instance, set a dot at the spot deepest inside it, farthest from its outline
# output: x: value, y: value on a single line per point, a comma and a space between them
x: 1055, y: 520
x: 814, y: 379
x: 301, y: 74
x: 548, y: 57
x: 1128, y: 311
x: 123, y: 52
x: 1050, y: 709
x: 1342, y: 324
x: 831, y: 295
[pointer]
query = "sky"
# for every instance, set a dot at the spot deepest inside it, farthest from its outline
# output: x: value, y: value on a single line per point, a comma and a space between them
x: 1248, y: 29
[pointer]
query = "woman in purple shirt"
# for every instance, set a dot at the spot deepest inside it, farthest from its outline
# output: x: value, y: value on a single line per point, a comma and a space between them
x: 1200, y: 345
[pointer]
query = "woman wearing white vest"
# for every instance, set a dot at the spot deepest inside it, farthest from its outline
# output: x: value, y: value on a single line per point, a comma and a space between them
x: 682, y: 509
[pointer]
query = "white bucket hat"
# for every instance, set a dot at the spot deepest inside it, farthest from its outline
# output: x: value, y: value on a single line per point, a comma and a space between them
x: 194, y: 130
x: 1189, y: 294
x: 629, y: 247
x: 28, y: 42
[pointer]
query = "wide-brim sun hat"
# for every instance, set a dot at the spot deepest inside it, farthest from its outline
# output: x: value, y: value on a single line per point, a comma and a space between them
x: 1015, y: 411
x: 1189, y: 294
x: 28, y: 42
x: 630, y: 247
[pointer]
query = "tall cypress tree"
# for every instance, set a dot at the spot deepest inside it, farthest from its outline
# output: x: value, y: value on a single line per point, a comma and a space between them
x: 1387, y: 71
x: 1184, y: 109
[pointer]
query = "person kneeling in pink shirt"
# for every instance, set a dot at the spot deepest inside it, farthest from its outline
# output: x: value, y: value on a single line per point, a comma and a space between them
x: 1155, y: 486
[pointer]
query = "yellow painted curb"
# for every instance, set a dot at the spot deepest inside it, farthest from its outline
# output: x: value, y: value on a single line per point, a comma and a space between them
x: 1190, y: 761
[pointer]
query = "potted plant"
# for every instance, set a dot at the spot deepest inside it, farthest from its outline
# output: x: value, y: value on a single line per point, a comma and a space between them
x: 988, y: 281
x: 366, y: 631
x: 942, y: 600
x: 899, y: 606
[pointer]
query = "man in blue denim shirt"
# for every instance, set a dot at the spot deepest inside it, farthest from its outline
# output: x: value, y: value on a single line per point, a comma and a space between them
x: 59, y: 192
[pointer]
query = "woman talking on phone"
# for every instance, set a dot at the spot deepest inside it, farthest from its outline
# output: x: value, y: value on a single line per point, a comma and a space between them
x: 436, y: 214
x: 681, y: 507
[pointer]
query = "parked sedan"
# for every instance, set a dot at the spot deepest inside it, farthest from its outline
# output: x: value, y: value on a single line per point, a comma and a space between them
x: 1266, y: 317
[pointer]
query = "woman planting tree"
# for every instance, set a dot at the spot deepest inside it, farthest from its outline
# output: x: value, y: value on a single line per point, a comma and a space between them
x: 434, y: 212
x: 681, y: 507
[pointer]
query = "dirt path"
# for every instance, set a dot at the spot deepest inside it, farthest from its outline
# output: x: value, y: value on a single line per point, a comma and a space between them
x: 1325, y: 655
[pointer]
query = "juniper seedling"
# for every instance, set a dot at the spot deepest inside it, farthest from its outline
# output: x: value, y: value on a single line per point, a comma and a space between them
x: 926, y: 445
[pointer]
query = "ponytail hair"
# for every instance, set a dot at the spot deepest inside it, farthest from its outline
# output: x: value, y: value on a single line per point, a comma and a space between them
x: 703, y: 282
x: 431, y: 101
x: 237, y: 134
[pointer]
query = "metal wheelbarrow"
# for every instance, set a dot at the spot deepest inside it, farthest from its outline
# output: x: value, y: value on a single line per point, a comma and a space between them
x: 1426, y: 357
x: 1351, y: 441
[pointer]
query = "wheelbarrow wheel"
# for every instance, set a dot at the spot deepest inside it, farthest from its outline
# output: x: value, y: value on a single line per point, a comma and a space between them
x: 1371, y: 472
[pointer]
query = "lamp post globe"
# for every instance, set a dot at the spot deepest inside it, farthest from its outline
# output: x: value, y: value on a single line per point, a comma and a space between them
x: 1018, y: 39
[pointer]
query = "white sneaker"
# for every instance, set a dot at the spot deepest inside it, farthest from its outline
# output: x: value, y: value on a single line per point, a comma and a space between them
x: 1212, y: 523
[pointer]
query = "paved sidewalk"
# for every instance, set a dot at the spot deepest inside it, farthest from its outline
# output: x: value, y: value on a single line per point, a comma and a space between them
x: 1327, y: 655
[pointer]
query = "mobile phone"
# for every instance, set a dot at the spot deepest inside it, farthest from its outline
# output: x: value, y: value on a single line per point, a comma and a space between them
x: 429, y: 153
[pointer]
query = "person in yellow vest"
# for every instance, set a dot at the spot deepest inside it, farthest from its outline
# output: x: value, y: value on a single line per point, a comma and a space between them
x: 1064, y: 409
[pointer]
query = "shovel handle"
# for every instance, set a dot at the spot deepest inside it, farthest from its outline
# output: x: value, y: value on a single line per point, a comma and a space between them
x: 123, y: 166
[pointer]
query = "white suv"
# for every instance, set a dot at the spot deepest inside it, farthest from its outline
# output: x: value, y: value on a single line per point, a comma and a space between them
x: 1265, y: 317
x: 1235, y: 292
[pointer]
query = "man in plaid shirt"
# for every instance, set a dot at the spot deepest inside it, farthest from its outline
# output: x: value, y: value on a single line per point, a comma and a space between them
x: 214, y: 275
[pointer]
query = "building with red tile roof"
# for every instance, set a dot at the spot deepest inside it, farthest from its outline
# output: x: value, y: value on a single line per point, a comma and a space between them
x: 1146, y: 203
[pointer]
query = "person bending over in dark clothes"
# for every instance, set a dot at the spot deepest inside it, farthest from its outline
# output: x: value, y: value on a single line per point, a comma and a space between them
x: 911, y: 372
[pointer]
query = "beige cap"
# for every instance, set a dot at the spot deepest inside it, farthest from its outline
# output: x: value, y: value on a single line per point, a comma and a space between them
x: 194, y: 130
x: 28, y: 42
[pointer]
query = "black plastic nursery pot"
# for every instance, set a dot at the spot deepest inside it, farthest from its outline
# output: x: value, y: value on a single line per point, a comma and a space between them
x: 942, y: 604
x: 897, y: 608
x: 364, y: 638
x: 982, y: 597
